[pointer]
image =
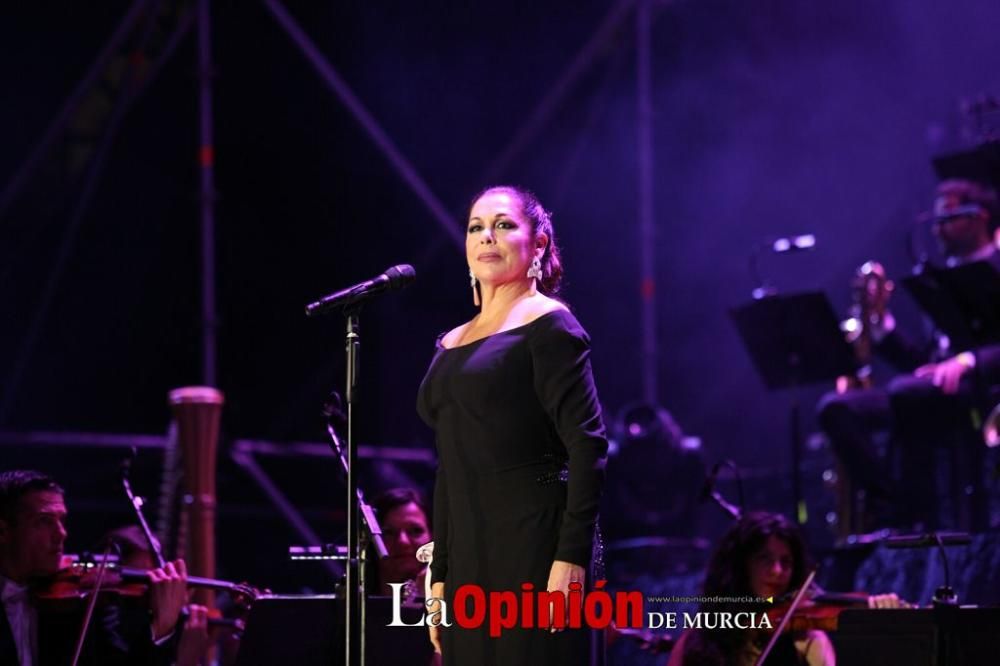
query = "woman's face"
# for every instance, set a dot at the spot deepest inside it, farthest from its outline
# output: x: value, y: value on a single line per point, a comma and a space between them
x: 404, y: 530
x: 771, y: 568
x: 499, y: 242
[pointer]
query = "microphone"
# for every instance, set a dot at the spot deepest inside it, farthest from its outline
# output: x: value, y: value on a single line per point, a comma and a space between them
x: 396, y: 277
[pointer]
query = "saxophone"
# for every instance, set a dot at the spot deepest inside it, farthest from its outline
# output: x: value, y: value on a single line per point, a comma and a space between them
x: 870, y: 292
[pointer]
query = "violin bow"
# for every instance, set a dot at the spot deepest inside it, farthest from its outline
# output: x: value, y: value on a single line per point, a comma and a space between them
x: 799, y: 596
x: 85, y: 625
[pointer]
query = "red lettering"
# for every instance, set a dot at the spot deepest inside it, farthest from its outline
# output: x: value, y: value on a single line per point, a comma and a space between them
x: 475, y: 594
x: 625, y: 601
x: 503, y: 612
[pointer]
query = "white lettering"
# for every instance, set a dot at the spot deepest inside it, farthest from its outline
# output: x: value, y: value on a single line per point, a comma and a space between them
x: 725, y: 620
x: 439, y: 617
x: 397, y: 602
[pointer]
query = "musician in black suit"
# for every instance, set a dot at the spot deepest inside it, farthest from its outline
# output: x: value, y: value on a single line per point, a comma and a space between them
x: 32, y: 534
x: 939, y: 386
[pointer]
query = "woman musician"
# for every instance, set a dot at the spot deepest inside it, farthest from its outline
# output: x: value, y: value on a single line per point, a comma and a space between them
x: 761, y: 555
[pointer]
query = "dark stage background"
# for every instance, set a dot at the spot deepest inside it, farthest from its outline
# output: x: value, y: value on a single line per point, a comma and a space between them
x: 771, y: 118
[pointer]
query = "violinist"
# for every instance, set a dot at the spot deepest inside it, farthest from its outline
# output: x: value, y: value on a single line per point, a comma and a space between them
x: 32, y: 535
x: 761, y: 555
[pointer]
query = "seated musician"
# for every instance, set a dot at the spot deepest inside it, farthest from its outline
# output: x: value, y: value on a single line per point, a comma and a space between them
x: 402, y: 515
x: 761, y: 555
x: 195, y: 640
x: 934, y: 397
x: 32, y: 535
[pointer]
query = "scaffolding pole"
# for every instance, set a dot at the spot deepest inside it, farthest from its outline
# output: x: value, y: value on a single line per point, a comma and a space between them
x: 647, y: 230
x: 206, y: 165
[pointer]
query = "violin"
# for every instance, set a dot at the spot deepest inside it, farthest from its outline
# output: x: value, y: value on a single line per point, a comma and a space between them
x: 73, y: 586
x: 822, y: 611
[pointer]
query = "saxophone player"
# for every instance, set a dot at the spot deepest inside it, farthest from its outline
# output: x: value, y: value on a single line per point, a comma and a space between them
x: 932, y: 396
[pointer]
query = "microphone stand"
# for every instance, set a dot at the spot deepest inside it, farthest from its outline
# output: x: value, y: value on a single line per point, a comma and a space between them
x: 126, y: 468
x: 349, y: 301
x: 136, y: 502
x: 353, y: 593
x: 357, y: 509
x: 372, y: 528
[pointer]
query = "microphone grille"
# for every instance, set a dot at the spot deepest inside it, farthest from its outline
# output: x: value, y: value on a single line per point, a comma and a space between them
x: 400, y: 276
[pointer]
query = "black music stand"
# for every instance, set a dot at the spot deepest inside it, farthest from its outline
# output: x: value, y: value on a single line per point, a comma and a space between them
x: 931, y: 637
x: 794, y: 340
x: 963, y: 301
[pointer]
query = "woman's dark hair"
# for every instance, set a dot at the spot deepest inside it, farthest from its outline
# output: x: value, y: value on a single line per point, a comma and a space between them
x: 541, y: 222
x: 729, y: 572
x: 728, y: 575
x: 397, y: 497
x: 383, y: 505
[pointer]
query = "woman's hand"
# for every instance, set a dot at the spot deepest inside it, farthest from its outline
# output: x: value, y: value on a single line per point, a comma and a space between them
x: 437, y: 592
x: 560, y: 576
x: 890, y: 600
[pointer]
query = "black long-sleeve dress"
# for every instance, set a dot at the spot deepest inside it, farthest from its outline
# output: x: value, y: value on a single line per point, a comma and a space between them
x: 513, y: 412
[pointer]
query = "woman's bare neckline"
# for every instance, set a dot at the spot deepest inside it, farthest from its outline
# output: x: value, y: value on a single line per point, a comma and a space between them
x: 502, y: 331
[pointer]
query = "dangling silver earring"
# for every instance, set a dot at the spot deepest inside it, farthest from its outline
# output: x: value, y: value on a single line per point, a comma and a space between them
x: 536, y: 269
x: 475, y: 292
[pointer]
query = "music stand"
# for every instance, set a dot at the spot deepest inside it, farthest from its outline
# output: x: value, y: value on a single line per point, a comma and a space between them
x: 963, y: 301
x: 981, y: 164
x: 794, y: 340
x: 931, y: 636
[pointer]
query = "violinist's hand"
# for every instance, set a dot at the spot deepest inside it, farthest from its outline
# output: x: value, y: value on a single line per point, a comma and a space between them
x: 167, y: 596
x: 437, y: 592
x: 195, y: 639
x: 890, y: 600
x: 560, y: 576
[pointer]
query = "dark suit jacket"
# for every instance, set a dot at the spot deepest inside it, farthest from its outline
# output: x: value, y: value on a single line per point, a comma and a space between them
x: 8, y: 649
x: 117, y: 636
